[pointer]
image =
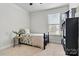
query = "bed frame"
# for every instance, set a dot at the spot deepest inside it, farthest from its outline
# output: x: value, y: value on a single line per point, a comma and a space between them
x: 46, y: 40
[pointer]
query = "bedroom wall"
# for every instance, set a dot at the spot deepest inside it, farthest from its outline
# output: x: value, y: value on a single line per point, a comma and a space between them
x: 39, y: 21
x: 12, y: 17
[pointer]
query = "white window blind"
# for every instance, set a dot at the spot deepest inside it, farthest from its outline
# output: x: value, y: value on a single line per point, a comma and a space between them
x: 54, y: 24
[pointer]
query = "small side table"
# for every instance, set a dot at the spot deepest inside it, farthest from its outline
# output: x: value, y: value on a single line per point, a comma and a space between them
x: 19, y: 39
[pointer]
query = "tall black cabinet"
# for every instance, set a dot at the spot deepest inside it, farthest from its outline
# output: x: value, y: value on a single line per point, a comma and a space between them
x: 70, y: 36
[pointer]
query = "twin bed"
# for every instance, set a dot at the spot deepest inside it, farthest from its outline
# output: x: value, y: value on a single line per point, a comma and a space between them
x: 36, y: 40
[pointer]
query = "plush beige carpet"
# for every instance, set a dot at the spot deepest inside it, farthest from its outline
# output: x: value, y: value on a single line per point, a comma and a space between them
x: 52, y: 50
x: 25, y: 50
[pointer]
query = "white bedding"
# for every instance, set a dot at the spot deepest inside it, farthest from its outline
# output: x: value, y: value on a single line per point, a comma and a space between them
x: 35, y: 40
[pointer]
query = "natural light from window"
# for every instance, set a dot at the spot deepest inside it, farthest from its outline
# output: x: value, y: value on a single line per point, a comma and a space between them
x: 54, y: 24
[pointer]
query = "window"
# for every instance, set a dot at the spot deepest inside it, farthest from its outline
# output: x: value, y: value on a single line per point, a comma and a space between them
x: 54, y: 24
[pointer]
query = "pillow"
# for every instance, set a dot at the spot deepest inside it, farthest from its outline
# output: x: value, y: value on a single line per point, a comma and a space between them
x: 27, y: 31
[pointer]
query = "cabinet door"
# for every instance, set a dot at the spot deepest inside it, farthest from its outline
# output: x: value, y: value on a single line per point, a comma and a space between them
x: 72, y: 36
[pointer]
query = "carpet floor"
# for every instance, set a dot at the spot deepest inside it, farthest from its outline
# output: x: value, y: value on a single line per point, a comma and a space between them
x: 25, y: 50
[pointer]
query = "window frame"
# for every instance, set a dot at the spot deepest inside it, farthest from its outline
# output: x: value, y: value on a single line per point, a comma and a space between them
x: 54, y: 24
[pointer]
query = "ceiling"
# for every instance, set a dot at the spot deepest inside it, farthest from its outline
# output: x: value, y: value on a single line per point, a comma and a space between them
x: 38, y: 6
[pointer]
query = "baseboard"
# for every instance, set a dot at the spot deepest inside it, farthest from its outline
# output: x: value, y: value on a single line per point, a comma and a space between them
x: 7, y: 46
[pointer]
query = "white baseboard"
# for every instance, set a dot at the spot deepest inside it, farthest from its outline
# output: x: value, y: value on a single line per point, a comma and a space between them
x: 7, y: 46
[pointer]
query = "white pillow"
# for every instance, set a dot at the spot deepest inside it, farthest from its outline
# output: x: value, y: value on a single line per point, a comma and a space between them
x: 27, y: 31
